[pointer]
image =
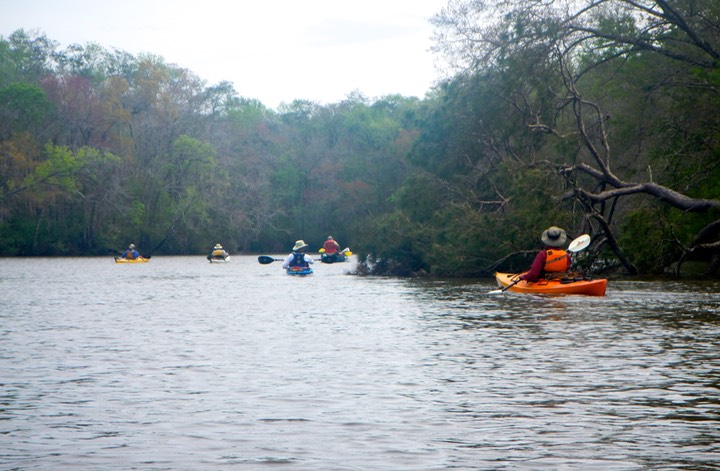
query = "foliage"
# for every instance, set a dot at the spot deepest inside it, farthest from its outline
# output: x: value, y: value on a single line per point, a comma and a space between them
x: 621, y: 101
x: 600, y: 120
x: 23, y: 106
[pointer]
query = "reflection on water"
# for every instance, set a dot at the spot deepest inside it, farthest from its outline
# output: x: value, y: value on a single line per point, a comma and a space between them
x: 180, y: 364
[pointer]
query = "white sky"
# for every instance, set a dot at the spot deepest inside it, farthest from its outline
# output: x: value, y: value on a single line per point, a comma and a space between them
x: 272, y: 50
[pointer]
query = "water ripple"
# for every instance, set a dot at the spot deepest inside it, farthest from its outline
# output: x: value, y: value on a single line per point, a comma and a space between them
x: 178, y: 364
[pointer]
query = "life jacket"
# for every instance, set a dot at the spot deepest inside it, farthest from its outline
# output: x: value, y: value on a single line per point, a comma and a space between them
x: 556, y: 260
x: 218, y: 253
x: 299, y: 260
x: 130, y: 255
x: 330, y: 247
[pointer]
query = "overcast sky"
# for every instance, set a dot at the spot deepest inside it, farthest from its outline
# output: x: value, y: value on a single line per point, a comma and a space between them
x: 272, y: 50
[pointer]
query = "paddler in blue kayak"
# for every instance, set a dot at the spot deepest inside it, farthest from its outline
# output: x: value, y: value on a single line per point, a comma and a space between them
x: 331, y: 246
x: 551, y: 259
x: 298, y: 257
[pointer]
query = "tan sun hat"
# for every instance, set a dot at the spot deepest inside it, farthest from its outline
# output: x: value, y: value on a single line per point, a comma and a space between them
x: 218, y: 246
x: 554, y: 237
x: 299, y: 244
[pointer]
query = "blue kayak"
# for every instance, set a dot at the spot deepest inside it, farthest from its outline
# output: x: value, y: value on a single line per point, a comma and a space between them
x: 299, y: 271
x: 333, y: 258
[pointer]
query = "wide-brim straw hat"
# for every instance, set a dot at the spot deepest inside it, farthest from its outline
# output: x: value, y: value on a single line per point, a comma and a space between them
x: 300, y: 244
x: 554, y: 237
x: 218, y: 246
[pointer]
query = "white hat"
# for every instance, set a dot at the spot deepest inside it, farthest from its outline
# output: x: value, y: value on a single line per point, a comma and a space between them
x: 299, y: 244
x: 218, y: 246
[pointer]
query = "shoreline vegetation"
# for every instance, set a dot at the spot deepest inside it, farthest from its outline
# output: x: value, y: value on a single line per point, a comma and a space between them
x: 606, y: 126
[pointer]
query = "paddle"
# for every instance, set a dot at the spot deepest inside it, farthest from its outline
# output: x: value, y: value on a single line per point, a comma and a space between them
x: 265, y: 259
x: 498, y: 291
x: 578, y: 244
x: 119, y: 254
x: 345, y: 251
x: 581, y: 243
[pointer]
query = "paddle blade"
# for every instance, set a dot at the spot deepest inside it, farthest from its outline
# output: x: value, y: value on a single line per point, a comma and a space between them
x: 581, y: 243
x: 347, y: 252
x: 321, y: 250
x: 502, y: 290
x: 264, y: 259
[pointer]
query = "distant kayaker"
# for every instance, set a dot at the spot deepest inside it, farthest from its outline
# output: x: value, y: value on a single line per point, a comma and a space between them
x: 551, y: 259
x: 298, y: 257
x: 218, y: 252
x: 331, y: 246
x: 131, y: 253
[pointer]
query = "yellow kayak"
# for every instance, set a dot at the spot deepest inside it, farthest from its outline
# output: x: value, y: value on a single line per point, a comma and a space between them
x: 131, y: 260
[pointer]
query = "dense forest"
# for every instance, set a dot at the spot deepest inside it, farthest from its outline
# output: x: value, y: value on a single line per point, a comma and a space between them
x: 600, y: 117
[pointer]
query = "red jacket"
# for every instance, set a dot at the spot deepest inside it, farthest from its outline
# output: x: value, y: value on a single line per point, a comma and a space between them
x: 331, y: 246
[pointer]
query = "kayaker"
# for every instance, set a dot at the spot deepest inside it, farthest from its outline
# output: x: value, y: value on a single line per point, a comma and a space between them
x: 551, y: 259
x: 131, y: 253
x: 218, y: 252
x: 298, y: 257
x: 331, y: 246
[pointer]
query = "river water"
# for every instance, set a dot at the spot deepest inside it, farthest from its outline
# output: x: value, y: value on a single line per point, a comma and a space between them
x: 178, y: 364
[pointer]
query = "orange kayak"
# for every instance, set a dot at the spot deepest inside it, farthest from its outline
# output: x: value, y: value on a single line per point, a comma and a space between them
x: 571, y: 286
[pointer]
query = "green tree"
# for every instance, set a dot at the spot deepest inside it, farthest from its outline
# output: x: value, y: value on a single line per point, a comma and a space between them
x: 24, y: 108
x: 590, y: 49
x: 25, y: 56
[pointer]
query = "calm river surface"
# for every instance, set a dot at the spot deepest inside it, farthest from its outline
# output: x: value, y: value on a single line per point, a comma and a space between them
x: 178, y: 364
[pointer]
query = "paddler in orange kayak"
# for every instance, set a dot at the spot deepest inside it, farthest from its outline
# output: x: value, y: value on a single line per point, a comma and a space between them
x: 552, y: 258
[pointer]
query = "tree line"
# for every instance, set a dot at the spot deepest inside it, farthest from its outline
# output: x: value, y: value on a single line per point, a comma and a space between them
x: 100, y: 148
x: 599, y: 118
